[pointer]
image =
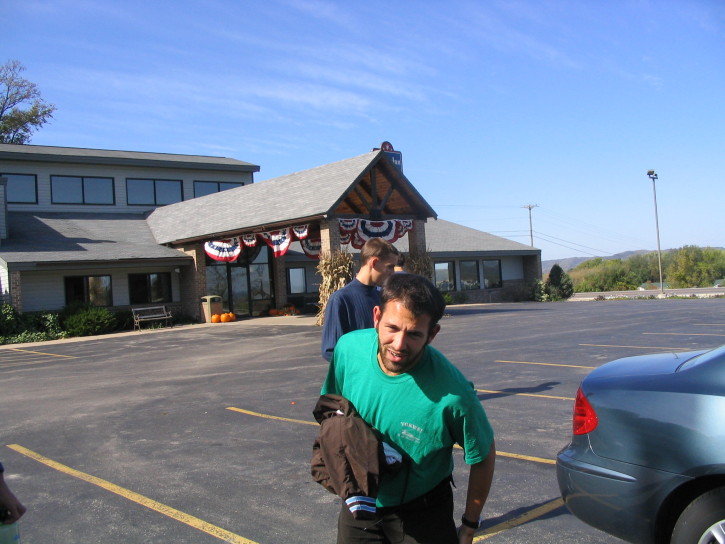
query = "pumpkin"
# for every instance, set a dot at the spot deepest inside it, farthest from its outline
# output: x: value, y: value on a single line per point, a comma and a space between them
x: 216, y: 318
x: 273, y: 311
x: 224, y: 318
x: 232, y: 316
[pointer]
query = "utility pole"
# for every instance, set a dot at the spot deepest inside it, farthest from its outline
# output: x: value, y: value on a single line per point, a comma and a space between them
x: 531, y: 226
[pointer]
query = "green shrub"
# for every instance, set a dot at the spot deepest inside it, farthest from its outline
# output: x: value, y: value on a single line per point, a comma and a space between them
x: 18, y: 328
x: 124, y: 320
x: 9, y: 320
x: 538, y: 292
x: 90, y: 321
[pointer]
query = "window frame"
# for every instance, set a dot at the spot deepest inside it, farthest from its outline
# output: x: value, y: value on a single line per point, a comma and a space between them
x: 54, y: 192
x: 499, y: 285
x: 304, y: 280
x: 148, y: 297
x: 154, y: 182
x: 476, y: 284
x: 234, y: 185
x: 451, y: 281
x: 7, y: 187
x: 87, y: 290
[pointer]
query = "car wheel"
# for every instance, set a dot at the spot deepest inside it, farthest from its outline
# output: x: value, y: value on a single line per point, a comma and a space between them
x: 703, y: 521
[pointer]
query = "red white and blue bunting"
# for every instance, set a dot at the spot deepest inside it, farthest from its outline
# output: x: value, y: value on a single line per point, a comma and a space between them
x: 359, y: 231
x: 352, y: 231
x: 279, y: 240
x: 224, y: 250
x: 312, y: 247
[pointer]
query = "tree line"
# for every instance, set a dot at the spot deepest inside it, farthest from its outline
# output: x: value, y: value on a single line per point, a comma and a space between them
x: 688, y: 266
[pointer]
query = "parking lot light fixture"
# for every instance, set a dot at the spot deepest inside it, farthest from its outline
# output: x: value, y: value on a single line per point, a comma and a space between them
x: 653, y: 176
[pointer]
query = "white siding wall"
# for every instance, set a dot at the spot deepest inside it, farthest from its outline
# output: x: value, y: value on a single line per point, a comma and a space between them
x: 4, y: 285
x: 48, y: 288
x: 44, y: 170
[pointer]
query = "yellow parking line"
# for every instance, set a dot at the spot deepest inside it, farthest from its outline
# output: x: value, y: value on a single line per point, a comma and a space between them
x: 267, y: 416
x: 524, y: 457
x: 498, y: 453
x: 684, y: 333
x: 524, y: 394
x: 635, y: 347
x: 42, y: 353
x: 519, y: 520
x: 546, y: 364
x: 192, y: 521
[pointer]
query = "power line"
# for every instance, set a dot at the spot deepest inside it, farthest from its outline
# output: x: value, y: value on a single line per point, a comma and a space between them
x: 601, y: 252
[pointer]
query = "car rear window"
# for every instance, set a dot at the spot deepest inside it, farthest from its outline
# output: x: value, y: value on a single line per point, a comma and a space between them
x: 712, y: 355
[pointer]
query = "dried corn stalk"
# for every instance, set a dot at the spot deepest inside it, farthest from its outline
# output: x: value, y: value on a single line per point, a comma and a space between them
x: 336, y: 271
x: 420, y: 263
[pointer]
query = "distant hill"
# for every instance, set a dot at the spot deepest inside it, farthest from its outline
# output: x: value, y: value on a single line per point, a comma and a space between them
x: 572, y: 262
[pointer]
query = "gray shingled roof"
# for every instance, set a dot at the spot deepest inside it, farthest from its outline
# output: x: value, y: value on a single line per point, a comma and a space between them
x: 445, y: 239
x: 44, y: 153
x: 292, y: 197
x: 65, y: 237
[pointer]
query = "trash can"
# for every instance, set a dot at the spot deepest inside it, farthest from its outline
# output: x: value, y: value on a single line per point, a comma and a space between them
x: 210, y: 305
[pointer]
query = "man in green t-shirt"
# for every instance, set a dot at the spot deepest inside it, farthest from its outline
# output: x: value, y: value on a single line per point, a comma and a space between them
x: 421, y: 405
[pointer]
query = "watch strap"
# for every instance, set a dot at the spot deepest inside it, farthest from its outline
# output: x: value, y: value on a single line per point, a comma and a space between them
x: 471, y: 524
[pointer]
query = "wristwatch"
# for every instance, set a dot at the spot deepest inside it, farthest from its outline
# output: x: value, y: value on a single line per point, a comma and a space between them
x: 471, y: 524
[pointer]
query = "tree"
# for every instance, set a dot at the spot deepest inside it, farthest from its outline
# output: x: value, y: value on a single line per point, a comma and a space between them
x: 558, y: 285
x: 16, y: 93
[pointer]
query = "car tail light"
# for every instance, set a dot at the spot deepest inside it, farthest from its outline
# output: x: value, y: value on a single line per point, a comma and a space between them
x: 585, y: 418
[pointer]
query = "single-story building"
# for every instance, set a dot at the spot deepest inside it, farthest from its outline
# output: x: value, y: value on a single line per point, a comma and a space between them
x: 124, y: 229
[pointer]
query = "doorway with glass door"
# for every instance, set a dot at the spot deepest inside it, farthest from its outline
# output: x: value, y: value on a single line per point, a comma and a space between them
x: 244, y: 285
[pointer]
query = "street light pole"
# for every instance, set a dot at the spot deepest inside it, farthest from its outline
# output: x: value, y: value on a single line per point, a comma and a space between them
x: 653, y: 176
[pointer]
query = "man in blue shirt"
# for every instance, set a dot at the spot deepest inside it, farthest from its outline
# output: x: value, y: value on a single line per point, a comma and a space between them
x: 351, y: 308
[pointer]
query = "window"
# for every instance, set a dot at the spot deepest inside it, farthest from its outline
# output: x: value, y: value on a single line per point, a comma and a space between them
x: 296, y: 282
x: 202, y: 188
x: 153, y: 192
x: 22, y: 188
x: 92, y: 289
x: 469, y: 275
x: 492, y: 274
x: 444, y: 276
x: 148, y: 288
x: 81, y: 190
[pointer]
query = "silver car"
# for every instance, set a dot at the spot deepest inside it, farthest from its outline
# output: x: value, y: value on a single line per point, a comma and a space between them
x: 646, y: 462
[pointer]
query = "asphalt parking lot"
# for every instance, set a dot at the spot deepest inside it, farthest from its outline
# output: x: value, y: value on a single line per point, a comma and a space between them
x: 203, y: 434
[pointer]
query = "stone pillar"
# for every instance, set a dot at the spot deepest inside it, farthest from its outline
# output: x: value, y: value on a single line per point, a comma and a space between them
x: 192, y: 281
x: 330, y: 235
x: 16, y: 291
x: 279, y: 270
x: 532, y: 268
x: 416, y: 237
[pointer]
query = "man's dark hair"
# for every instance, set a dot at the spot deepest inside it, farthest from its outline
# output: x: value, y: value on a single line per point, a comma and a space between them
x: 416, y: 293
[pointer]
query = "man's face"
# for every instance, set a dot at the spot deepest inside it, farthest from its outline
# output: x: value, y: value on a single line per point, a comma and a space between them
x: 382, y: 269
x: 402, y: 337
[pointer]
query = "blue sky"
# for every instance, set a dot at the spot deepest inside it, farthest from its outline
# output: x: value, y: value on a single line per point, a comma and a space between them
x: 495, y: 105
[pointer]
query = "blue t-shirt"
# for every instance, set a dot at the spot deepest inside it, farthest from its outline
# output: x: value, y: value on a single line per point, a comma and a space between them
x: 348, y: 309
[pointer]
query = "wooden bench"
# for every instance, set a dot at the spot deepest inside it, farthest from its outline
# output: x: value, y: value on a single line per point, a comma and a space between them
x: 150, y: 313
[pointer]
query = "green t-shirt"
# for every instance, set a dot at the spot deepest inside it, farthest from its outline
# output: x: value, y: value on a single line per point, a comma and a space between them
x: 422, y: 413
